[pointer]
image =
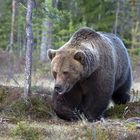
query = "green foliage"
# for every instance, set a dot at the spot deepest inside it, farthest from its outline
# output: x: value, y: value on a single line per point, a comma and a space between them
x: 5, y: 23
x: 64, y: 29
x: 98, y: 14
x: 67, y: 17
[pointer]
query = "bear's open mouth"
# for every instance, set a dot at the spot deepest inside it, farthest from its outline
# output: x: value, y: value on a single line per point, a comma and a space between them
x: 62, y: 92
x: 66, y: 90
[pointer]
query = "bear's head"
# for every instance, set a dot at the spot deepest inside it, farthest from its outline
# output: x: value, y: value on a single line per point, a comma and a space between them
x: 67, y: 67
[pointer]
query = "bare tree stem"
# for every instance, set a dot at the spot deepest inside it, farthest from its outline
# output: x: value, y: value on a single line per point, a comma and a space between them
x: 28, y: 64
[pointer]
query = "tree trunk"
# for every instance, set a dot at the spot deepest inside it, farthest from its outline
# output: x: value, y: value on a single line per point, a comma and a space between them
x: 14, y: 7
x: 134, y: 25
x: 55, y: 3
x: 49, y: 33
x: 43, y: 41
x: 117, y: 15
x: 46, y: 41
x: 28, y: 64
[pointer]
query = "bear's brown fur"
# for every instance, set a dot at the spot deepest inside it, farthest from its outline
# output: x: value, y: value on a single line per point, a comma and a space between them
x: 89, y: 70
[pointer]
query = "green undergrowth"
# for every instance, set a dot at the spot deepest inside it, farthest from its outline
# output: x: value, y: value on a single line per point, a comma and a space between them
x: 38, y: 106
x: 34, y: 108
x: 124, y: 111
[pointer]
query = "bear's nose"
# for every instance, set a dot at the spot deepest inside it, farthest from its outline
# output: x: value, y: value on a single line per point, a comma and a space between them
x: 58, y: 88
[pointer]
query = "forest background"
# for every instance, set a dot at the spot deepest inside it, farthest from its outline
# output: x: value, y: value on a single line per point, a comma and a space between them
x: 57, y: 20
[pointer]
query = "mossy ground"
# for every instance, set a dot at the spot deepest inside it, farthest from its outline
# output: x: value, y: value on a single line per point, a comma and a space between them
x: 60, y: 130
x: 34, y: 119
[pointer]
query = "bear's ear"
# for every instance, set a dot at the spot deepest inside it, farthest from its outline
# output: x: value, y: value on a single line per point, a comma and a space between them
x: 51, y: 53
x: 80, y: 56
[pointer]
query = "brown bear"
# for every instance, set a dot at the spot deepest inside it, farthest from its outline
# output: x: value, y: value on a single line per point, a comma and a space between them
x: 91, y: 69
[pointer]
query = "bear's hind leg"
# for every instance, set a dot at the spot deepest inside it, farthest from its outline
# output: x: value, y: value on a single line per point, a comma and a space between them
x: 120, y: 97
x: 122, y: 94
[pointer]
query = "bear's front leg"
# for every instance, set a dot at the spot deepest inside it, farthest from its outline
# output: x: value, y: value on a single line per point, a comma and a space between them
x: 97, y: 95
x: 94, y: 107
x: 62, y: 108
x: 67, y: 105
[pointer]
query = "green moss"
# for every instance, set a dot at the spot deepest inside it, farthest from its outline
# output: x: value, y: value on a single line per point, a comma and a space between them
x: 26, y: 132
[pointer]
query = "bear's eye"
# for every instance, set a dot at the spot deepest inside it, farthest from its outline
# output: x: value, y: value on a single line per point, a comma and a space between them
x: 54, y: 74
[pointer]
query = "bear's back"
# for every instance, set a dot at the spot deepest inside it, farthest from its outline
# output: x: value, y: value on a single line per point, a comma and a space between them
x: 122, y: 60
